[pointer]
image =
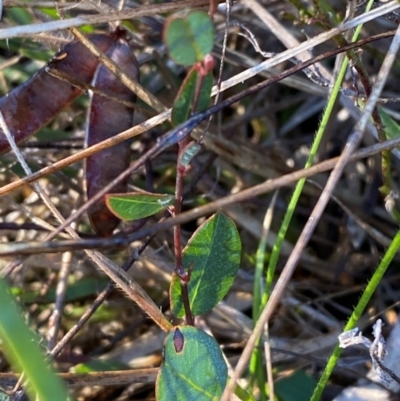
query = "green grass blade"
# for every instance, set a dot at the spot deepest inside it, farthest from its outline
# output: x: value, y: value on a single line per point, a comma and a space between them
x: 21, y: 347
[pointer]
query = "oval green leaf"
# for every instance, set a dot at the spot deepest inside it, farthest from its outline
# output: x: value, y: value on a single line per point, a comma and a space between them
x: 189, y: 39
x: 136, y: 205
x: 193, y: 367
x: 213, y: 253
x: 183, y: 101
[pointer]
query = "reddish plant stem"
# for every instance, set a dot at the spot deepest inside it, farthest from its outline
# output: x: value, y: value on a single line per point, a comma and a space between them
x: 181, y: 171
x: 179, y: 268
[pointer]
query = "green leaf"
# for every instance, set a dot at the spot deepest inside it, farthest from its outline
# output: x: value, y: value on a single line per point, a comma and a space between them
x: 189, y: 39
x: 21, y: 348
x: 50, y: 12
x: 136, y: 205
x: 189, y: 152
x: 242, y: 394
x: 19, y: 15
x: 36, y: 54
x: 213, y: 253
x: 184, y: 99
x: 392, y: 129
x: 205, y: 92
x: 297, y: 387
x: 193, y: 367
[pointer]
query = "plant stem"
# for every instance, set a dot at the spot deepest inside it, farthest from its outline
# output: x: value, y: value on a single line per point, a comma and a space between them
x: 179, y: 268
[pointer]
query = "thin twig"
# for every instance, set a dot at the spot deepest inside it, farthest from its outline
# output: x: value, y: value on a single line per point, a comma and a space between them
x: 61, y: 290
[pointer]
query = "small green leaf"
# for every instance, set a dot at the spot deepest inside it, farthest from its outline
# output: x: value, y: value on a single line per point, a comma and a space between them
x: 189, y: 39
x: 190, y: 151
x: 242, y: 394
x: 213, y: 252
x: 205, y: 92
x: 20, y: 16
x: 392, y: 129
x: 183, y: 101
x: 50, y: 12
x: 38, y: 54
x: 185, y: 97
x: 193, y: 367
x: 21, y: 347
x: 136, y: 205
